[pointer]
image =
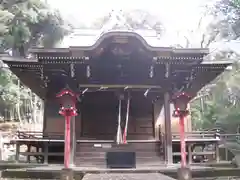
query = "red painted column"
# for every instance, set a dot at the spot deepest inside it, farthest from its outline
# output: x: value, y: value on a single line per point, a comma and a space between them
x: 67, y: 110
x: 67, y: 142
x: 182, y: 141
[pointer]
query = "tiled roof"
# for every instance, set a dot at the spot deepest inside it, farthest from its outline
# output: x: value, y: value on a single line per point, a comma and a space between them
x: 88, y: 37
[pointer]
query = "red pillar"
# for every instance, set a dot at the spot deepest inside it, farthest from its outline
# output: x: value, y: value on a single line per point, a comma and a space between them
x: 182, y: 141
x: 67, y: 110
x: 67, y: 142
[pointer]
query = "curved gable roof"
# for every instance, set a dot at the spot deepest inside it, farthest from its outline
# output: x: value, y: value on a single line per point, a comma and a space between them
x: 90, y: 39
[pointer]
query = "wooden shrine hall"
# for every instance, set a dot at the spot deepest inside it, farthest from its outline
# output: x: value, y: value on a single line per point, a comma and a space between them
x: 123, y: 82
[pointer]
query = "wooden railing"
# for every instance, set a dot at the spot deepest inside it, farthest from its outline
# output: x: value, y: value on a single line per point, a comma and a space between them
x: 188, y: 135
x: 54, y: 135
x: 29, y: 135
x: 196, y: 135
x: 39, y: 135
x: 230, y: 137
x: 204, y: 136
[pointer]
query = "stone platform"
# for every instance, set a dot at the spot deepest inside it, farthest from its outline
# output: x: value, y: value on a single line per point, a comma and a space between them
x: 127, y: 176
x: 54, y: 172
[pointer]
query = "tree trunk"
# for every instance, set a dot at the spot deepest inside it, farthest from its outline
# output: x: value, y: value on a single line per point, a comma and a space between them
x: 30, y: 112
x: 34, y: 109
x: 11, y: 114
x: 1, y: 147
x: 41, y: 111
x: 18, y: 104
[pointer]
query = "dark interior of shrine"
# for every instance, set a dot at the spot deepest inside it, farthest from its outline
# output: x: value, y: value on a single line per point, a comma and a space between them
x: 100, y: 112
x: 98, y: 117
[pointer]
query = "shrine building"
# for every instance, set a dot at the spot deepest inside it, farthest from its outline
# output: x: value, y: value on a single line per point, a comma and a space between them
x: 123, y: 78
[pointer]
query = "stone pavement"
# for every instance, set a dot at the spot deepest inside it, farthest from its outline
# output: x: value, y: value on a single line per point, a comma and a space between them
x: 127, y: 176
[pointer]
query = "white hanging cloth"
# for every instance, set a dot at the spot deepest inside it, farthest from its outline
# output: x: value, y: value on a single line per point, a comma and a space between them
x: 119, y: 131
x: 127, y: 119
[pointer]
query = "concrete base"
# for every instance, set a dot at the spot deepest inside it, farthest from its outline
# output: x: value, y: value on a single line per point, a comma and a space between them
x: 236, y: 161
x: 67, y: 174
x: 184, y: 173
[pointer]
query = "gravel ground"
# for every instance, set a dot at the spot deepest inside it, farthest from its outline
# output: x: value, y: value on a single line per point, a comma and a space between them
x: 126, y: 176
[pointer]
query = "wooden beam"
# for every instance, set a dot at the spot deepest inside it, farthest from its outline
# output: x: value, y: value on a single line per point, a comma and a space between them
x: 6, y: 58
x: 198, y: 140
x: 46, y: 151
x: 30, y: 80
x: 112, y: 86
x: 40, y: 153
x: 196, y: 153
x: 17, y: 151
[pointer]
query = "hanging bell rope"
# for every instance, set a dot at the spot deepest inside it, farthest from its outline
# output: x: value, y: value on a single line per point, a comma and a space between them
x: 119, y: 131
x: 127, y: 119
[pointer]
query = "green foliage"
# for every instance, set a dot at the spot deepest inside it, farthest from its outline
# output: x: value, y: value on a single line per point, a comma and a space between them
x: 30, y: 22
x: 25, y: 23
x: 236, y: 3
x: 219, y: 105
x: 227, y: 18
x: 10, y: 90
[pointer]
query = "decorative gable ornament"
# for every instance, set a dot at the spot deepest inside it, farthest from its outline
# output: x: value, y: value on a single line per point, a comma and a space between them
x: 116, y: 21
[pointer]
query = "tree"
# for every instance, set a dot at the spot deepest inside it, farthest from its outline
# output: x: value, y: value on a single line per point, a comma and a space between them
x: 221, y: 102
x: 134, y: 19
x: 227, y: 14
x: 218, y: 102
x: 30, y: 22
x: 25, y: 23
x: 221, y: 107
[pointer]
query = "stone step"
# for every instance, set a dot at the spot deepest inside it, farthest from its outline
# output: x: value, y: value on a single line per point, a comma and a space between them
x: 137, y: 157
x: 156, y: 158
x: 116, y: 150
x: 103, y: 164
x: 138, y: 153
x: 141, y: 145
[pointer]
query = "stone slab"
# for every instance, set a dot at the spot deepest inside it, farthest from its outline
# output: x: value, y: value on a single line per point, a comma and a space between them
x: 149, y: 168
x: 127, y: 176
x: 54, y: 173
